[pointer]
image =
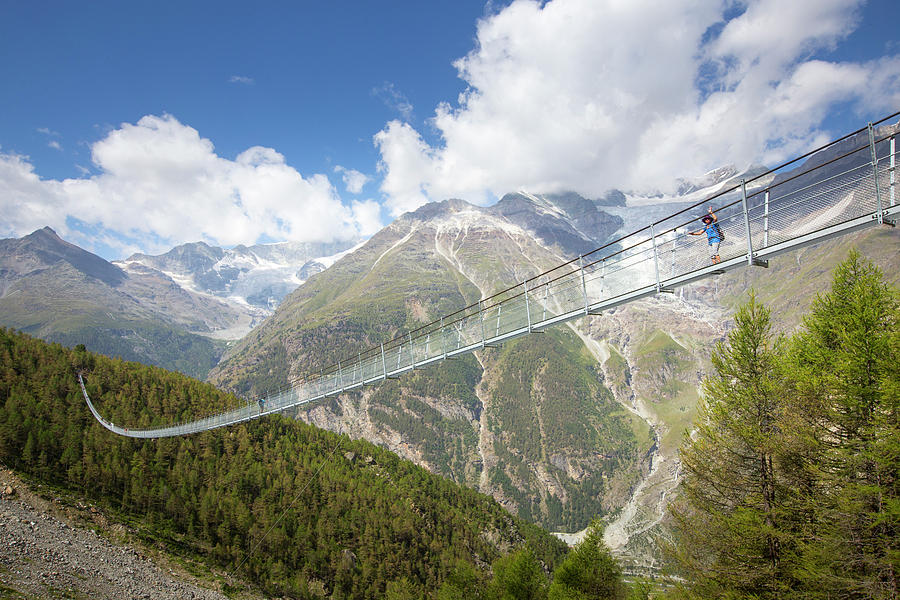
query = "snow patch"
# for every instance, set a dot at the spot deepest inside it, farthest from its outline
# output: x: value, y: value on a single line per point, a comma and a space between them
x: 398, y: 243
x: 327, y: 261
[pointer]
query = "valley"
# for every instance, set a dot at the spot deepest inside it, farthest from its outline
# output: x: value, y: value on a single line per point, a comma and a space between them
x: 584, y: 421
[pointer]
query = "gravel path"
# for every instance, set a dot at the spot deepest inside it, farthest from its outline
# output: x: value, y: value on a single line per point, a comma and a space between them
x: 43, y: 555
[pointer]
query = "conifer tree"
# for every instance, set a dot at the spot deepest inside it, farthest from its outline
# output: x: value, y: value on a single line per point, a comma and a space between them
x: 733, y: 524
x: 463, y: 583
x: 588, y: 572
x: 517, y: 576
x: 847, y: 371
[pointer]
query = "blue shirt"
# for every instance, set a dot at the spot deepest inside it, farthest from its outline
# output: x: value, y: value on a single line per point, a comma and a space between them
x: 713, y: 234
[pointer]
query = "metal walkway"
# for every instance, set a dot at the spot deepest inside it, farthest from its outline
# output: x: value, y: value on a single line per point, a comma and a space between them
x: 842, y: 187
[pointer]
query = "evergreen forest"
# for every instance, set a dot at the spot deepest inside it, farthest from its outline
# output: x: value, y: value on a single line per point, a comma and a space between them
x: 295, y: 510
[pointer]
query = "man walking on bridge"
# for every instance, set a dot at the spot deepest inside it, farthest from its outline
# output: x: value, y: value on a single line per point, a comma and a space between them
x: 713, y: 234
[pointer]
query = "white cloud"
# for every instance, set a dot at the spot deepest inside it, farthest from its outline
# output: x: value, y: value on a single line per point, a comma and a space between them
x: 26, y: 202
x: 52, y: 134
x: 394, y: 99
x: 353, y: 179
x: 161, y: 184
x: 586, y: 95
x: 241, y: 79
x: 367, y: 214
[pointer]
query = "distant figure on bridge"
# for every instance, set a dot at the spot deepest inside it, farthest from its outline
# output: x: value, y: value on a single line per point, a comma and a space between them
x: 262, y: 404
x: 713, y: 233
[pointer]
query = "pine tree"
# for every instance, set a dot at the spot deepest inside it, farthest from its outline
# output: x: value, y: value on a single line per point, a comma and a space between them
x: 588, y: 572
x: 733, y: 523
x: 847, y: 370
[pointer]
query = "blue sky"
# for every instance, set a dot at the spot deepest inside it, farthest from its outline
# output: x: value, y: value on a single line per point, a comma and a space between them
x: 310, y: 79
x: 138, y: 126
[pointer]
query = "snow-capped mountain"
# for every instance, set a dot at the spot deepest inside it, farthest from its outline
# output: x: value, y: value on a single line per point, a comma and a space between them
x: 253, y: 278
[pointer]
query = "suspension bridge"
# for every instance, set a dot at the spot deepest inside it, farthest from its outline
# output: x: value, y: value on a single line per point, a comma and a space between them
x: 842, y: 187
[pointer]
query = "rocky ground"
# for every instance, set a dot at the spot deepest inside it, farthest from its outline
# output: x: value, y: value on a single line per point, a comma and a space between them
x: 49, y: 550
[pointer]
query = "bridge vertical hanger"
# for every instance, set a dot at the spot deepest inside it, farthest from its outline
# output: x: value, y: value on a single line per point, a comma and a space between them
x: 655, y: 258
x: 751, y: 261
x: 766, y: 220
x: 383, y: 363
x: 875, y: 173
x: 481, y: 318
x: 583, y: 283
x: 412, y: 355
x: 891, y: 168
x: 341, y: 376
x: 527, y: 308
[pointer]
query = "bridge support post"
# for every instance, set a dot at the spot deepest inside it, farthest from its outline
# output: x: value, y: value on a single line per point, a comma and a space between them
x: 583, y: 283
x: 383, y: 363
x: 766, y: 221
x: 481, y: 318
x: 875, y: 173
x: 750, y: 261
x: 655, y: 258
x: 412, y: 354
x: 527, y: 307
x: 341, y: 376
x: 892, y: 171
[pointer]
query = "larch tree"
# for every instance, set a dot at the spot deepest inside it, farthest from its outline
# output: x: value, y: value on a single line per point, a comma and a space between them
x: 846, y: 363
x: 589, y: 571
x: 732, y: 523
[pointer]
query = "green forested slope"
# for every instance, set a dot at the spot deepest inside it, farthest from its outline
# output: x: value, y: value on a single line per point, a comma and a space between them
x: 551, y: 408
x: 356, y: 520
x: 533, y: 424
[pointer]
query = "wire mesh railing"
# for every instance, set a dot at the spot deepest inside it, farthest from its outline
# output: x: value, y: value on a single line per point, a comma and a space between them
x: 841, y: 187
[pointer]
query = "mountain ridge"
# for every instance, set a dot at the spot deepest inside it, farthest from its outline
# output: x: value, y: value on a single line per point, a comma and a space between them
x: 44, y: 248
x: 460, y: 420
